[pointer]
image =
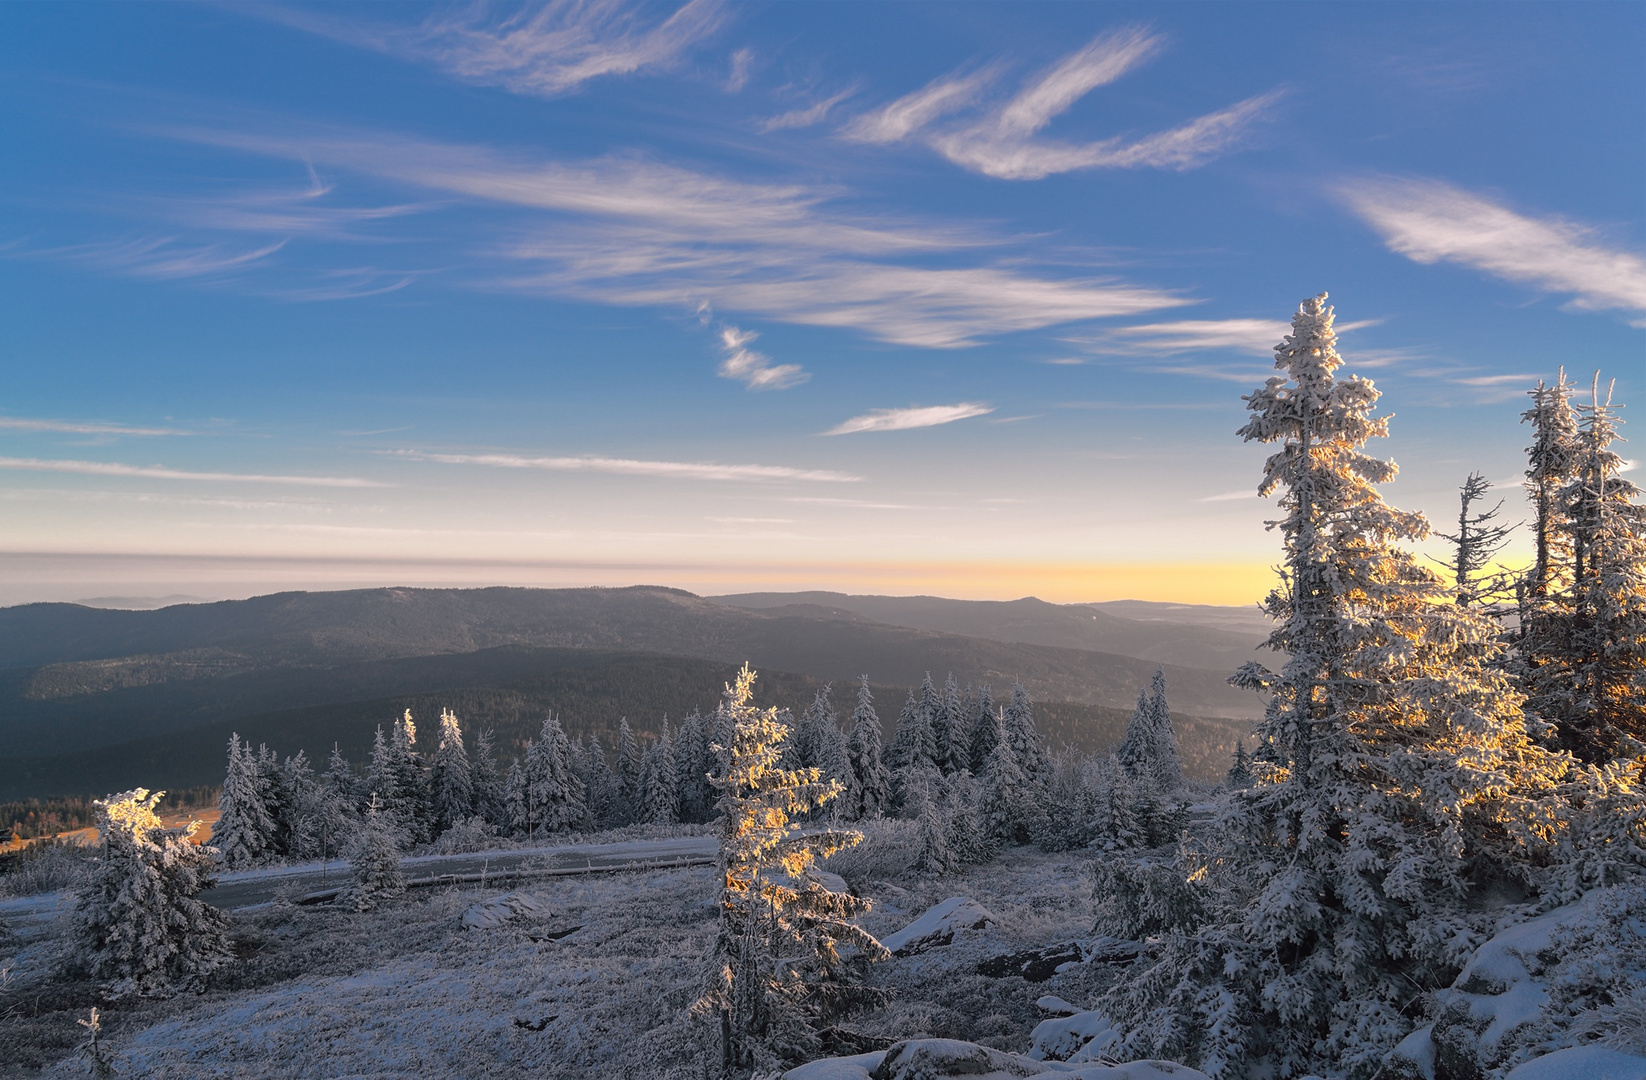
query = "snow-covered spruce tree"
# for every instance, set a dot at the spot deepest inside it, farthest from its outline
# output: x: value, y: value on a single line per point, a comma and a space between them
x: 415, y: 811
x: 490, y: 794
x: 776, y: 971
x: 139, y: 927
x: 1008, y: 793
x: 1111, y: 806
x: 339, y: 779
x: 315, y: 818
x: 1397, y: 776
x: 451, y: 779
x: 1550, y: 468
x: 382, y: 783
x: 245, y: 831
x: 553, y: 795
x: 952, y: 734
x: 626, y: 808
x: 691, y: 769
x: 1018, y: 717
x: 660, y: 799
x: 1597, y: 660
x: 375, y: 855
x: 869, y: 792
x: 1136, y: 748
x: 1239, y: 775
x: 276, y: 798
x: 926, y: 800
x: 984, y: 728
x: 514, y: 797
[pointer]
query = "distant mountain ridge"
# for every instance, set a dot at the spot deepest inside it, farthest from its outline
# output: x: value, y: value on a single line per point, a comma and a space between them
x: 75, y: 679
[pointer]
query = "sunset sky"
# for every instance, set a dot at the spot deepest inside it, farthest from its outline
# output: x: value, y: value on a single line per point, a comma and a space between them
x: 957, y: 299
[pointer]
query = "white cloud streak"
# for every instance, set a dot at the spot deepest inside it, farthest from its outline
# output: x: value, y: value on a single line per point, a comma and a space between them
x: 1004, y: 142
x: 1430, y: 221
x: 87, y: 427
x: 160, y: 472
x: 904, y: 419
x: 810, y: 116
x: 681, y: 470
x: 543, y: 52
x: 164, y: 258
x: 632, y: 232
x: 755, y: 369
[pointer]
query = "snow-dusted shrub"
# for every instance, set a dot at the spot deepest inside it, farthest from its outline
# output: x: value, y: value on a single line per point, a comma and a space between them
x: 890, y: 847
x: 45, y: 866
x: 1140, y: 898
x: 468, y: 834
x: 139, y: 926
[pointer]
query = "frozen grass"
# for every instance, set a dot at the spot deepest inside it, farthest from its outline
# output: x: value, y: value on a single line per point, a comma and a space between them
x: 406, y: 991
x: 43, y: 867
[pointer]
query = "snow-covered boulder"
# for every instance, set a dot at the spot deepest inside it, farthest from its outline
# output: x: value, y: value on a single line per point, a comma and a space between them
x: 938, y: 926
x: 1501, y: 1008
x: 1076, y: 1038
x: 490, y: 914
x: 1582, y: 1063
x: 951, y: 1059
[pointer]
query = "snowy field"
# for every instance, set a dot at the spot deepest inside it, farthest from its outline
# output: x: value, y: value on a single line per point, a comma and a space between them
x: 408, y: 991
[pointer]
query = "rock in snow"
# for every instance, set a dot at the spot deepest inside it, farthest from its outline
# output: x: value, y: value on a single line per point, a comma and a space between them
x: 1582, y: 1063
x: 943, y: 1059
x: 490, y: 914
x: 939, y: 925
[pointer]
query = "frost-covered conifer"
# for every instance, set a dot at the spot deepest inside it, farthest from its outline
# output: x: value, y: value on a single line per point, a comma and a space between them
x: 451, y: 780
x: 952, y: 733
x: 245, y: 831
x: 913, y: 747
x: 869, y: 793
x: 139, y: 926
x: 382, y: 782
x: 1018, y: 719
x: 340, y: 780
x: 984, y: 728
x: 776, y: 973
x: 660, y: 799
x: 554, y: 795
x: 1551, y: 467
x: 604, y: 804
x: 514, y: 797
x: 1586, y: 660
x: 414, y: 812
x: 490, y: 794
x: 969, y: 840
x: 1240, y: 773
x: 1008, y: 793
x: 1149, y: 750
x: 691, y: 769
x: 315, y: 817
x: 375, y: 855
x: 936, y: 857
x: 1476, y: 544
x: 627, y: 802
x: 1398, y: 777
x: 1111, y: 806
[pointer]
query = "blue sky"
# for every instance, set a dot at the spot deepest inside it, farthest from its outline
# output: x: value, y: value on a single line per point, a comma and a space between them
x: 878, y: 297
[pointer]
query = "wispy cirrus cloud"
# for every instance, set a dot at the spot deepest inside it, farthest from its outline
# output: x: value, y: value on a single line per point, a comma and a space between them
x: 1257, y: 337
x: 682, y: 470
x: 1430, y: 221
x: 85, y: 427
x: 755, y: 369
x: 1005, y: 142
x: 163, y: 258
x: 544, y: 52
x: 810, y: 116
x: 161, y: 472
x: 914, y: 417
x: 634, y: 232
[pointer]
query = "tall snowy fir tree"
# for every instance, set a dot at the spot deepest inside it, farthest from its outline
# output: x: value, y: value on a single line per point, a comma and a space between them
x: 659, y: 796
x: 1397, y: 777
x: 952, y: 734
x: 776, y: 973
x: 451, y: 779
x: 1591, y: 664
x: 490, y: 794
x: 553, y: 795
x: 375, y: 855
x: 1018, y: 718
x: 1240, y: 772
x: 692, y: 768
x: 1149, y: 750
x: 395, y: 811
x: 245, y: 831
x: 629, y: 760
x: 1479, y: 539
x: 411, y: 785
x: 869, y: 792
x: 139, y: 927
x: 985, y: 729
x: 1008, y: 795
